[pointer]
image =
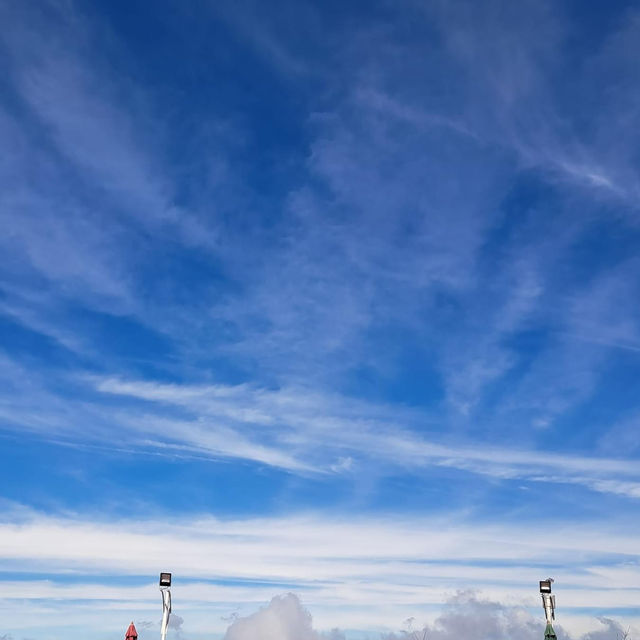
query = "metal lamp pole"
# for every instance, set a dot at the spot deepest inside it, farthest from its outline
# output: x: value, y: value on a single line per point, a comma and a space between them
x: 549, y: 605
x: 165, y: 590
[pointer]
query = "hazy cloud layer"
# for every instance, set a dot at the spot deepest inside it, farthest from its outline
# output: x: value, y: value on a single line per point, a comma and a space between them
x: 352, y: 573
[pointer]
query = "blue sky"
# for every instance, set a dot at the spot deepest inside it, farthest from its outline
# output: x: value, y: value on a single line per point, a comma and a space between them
x: 332, y: 298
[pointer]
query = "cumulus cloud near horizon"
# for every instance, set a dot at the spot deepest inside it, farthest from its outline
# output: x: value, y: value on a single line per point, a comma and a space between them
x: 284, y: 618
x: 466, y: 616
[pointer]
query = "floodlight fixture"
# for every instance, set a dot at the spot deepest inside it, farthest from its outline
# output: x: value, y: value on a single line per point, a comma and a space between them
x: 165, y: 580
x: 545, y: 585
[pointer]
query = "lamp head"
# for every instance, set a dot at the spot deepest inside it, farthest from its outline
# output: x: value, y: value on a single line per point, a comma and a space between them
x: 545, y: 585
x: 165, y: 580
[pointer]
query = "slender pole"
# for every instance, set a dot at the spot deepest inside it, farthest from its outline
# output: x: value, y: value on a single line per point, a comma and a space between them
x: 548, y: 604
x: 166, y: 611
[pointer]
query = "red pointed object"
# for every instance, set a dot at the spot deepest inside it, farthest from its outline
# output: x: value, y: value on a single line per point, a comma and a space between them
x: 131, y: 634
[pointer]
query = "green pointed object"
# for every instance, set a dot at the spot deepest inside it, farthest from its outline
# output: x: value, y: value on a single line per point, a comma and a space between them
x: 549, y: 633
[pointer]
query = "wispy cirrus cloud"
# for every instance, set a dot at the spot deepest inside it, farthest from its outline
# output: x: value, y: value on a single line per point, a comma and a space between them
x: 302, y: 431
x: 88, y: 195
x: 295, y: 429
x: 385, y: 262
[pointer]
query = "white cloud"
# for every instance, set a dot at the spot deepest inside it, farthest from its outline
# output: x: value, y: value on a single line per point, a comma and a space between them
x: 337, y: 557
x: 310, y: 431
x: 283, y: 619
x: 299, y: 430
x: 465, y: 615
